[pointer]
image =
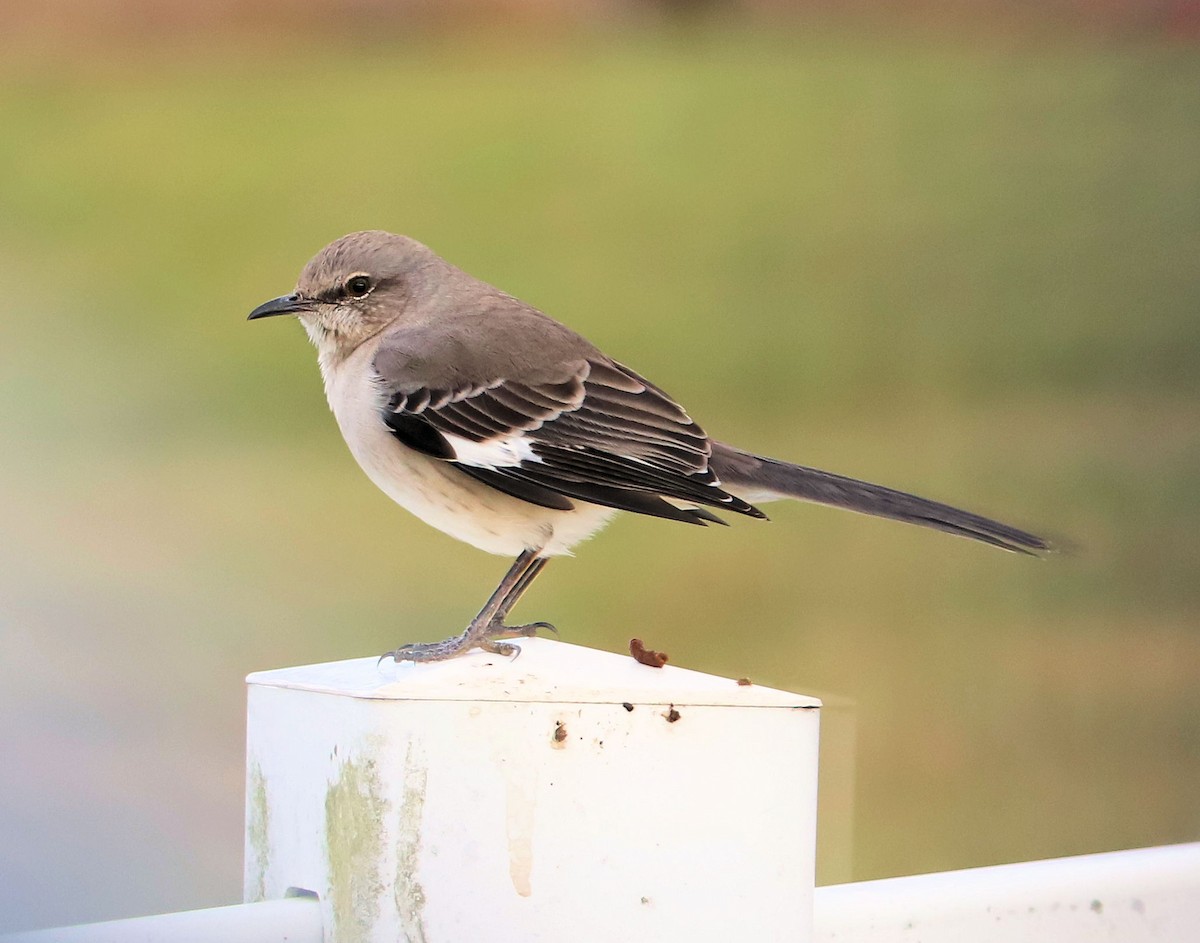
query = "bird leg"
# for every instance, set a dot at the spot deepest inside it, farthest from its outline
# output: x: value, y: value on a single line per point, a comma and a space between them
x: 489, y: 625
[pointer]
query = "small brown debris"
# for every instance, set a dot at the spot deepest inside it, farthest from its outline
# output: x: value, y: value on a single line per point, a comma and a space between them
x: 744, y: 682
x: 646, y: 656
x: 627, y: 706
x: 560, y: 731
x: 672, y: 715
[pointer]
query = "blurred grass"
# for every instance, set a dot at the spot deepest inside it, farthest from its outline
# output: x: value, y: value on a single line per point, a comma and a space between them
x: 970, y: 271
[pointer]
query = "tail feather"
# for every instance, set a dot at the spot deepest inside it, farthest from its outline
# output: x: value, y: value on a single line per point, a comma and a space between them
x: 757, y: 478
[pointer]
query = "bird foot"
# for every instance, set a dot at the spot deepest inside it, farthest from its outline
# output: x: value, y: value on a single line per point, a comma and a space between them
x: 477, y: 635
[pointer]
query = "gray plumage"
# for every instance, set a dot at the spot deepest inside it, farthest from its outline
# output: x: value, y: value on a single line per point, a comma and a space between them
x: 508, y: 430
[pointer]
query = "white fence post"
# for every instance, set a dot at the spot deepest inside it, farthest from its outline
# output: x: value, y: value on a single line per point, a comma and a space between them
x: 570, y: 795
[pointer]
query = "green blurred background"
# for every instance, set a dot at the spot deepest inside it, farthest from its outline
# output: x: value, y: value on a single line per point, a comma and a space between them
x: 957, y: 254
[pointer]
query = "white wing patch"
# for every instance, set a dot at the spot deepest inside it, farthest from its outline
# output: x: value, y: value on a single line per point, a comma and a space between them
x: 508, y: 452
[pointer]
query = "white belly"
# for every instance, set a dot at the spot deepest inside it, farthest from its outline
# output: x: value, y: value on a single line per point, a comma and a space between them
x: 437, y: 492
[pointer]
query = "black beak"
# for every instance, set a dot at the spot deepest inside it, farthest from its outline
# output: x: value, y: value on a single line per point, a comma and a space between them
x: 287, y: 304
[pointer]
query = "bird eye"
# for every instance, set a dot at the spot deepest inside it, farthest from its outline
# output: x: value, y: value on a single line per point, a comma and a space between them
x: 358, y: 285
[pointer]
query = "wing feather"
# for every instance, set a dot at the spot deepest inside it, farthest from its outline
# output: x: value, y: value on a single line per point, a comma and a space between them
x: 602, y: 435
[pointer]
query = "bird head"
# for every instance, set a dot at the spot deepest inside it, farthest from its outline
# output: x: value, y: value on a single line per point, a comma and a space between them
x: 352, y: 289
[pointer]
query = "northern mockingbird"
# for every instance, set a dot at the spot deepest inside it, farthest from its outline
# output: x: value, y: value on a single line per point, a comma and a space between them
x: 505, y: 429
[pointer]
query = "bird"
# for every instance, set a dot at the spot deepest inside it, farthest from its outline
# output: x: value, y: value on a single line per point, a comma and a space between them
x: 504, y: 428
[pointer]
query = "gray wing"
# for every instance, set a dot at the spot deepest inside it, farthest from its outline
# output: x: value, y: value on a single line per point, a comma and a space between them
x: 584, y: 429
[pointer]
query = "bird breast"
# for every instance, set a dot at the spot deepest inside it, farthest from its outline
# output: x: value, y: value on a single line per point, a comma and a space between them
x: 433, y: 489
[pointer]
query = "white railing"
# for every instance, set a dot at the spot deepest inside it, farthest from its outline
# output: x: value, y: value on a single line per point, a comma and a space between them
x: 1139, y: 896
x: 290, y: 920
x: 1148, y: 894
x: 575, y: 795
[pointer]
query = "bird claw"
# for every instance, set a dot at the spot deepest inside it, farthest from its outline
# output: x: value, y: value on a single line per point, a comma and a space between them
x: 499, y: 630
x: 485, y: 637
x: 401, y: 653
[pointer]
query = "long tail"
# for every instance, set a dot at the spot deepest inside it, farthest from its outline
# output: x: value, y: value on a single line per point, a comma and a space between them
x: 757, y: 479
